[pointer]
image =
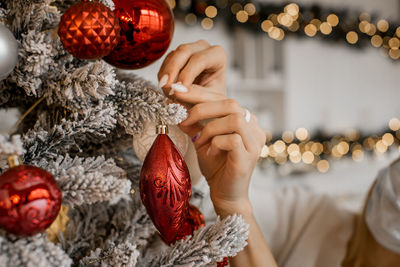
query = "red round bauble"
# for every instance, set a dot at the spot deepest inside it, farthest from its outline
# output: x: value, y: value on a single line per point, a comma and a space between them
x: 89, y: 30
x: 147, y: 27
x: 30, y: 200
x: 165, y: 187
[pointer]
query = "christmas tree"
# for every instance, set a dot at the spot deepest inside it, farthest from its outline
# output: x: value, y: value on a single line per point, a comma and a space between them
x: 82, y: 116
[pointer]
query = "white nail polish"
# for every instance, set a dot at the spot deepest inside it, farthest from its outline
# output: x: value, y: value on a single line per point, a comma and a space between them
x: 163, y: 81
x: 208, y: 151
x: 172, y: 91
x: 179, y: 87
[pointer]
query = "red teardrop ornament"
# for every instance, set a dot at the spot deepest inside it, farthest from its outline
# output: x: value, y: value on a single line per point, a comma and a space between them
x: 165, y: 188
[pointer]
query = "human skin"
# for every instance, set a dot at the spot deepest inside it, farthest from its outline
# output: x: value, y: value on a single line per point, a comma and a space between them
x: 227, y: 145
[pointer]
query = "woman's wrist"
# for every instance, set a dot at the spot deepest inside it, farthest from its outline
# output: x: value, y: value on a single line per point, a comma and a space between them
x: 226, y: 208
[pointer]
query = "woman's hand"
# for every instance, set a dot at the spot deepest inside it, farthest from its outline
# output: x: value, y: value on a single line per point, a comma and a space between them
x: 194, y: 72
x: 227, y: 146
x: 227, y: 139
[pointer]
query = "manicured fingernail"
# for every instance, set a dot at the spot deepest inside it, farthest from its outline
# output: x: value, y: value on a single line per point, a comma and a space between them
x: 179, y: 87
x: 208, y: 151
x: 195, y: 137
x: 163, y: 81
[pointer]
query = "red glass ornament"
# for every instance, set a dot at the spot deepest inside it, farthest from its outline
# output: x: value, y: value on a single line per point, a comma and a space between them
x: 89, y: 30
x: 147, y: 27
x: 30, y: 200
x: 165, y: 187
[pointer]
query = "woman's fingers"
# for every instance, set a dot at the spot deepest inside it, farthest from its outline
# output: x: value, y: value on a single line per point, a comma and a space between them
x: 233, y: 123
x: 212, y: 59
x: 230, y: 143
x: 176, y: 60
x: 210, y: 110
x: 195, y: 94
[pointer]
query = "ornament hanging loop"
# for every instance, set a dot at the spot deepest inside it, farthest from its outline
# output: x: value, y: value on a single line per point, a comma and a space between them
x: 161, y: 127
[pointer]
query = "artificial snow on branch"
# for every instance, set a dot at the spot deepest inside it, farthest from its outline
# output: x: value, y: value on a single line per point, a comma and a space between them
x: 208, y: 245
x: 124, y: 254
x: 89, y: 180
x: 31, y: 251
x: 61, y: 138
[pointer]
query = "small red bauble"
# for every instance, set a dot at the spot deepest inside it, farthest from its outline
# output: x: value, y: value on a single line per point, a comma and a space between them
x: 30, y: 200
x: 147, y: 27
x: 89, y: 30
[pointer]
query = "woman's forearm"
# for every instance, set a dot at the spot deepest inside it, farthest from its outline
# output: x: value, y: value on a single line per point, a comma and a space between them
x: 257, y: 252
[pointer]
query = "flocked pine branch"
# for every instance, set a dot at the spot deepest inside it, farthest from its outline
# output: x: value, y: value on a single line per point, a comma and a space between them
x: 31, y: 251
x: 89, y: 180
x: 124, y: 254
x: 67, y: 135
x: 208, y: 245
x: 92, y: 226
x: 137, y: 102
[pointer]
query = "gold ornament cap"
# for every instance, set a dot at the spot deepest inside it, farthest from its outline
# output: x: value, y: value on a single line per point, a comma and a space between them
x: 14, y: 161
x: 161, y: 128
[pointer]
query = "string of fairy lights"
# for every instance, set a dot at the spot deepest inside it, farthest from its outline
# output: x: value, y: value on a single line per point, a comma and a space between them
x: 300, y: 148
x: 281, y: 20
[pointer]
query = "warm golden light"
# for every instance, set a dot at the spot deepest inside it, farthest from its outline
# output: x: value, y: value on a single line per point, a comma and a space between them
x: 171, y: 3
x: 372, y: 30
x: 279, y: 146
x: 381, y: 147
x: 325, y: 28
x: 302, y: 134
x: 266, y: 25
x: 398, y: 31
x: 292, y: 9
x: 287, y: 136
x: 190, y: 19
x: 274, y: 33
x: 281, y: 160
x: 335, y: 152
x: 250, y: 9
x: 285, y: 19
x: 394, y: 53
x: 352, y: 37
x: 376, y: 41
x: 310, y: 30
x: 387, y: 139
x: 383, y: 25
x: 308, y: 157
x: 242, y: 16
x: 265, y: 151
x: 293, y: 149
x: 317, y: 148
x: 273, y: 18
x: 333, y: 20
x: 295, y: 158
x: 365, y: 16
x: 358, y: 155
x: 364, y: 26
x: 211, y: 11
x: 235, y: 8
x: 281, y: 35
x: 294, y: 27
x: 394, y: 124
x: 316, y: 22
x: 394, y: 43
x: 207, y: 23
x: 323, y: 166
x: 343, y: 148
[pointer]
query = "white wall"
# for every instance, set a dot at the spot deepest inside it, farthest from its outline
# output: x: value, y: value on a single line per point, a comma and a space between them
x: 336, y: 87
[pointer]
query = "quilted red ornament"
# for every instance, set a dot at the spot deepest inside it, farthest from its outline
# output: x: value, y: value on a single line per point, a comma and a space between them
x: 30, y: 199
x: 89, y: 30
x: 147, y: 27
